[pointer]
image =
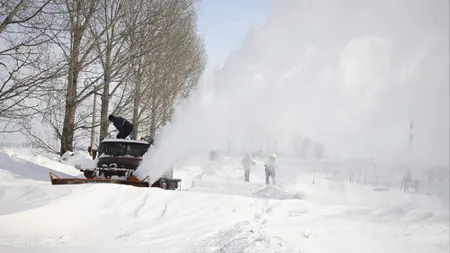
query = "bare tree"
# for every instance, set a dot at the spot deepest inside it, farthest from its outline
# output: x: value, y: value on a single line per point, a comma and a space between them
x: 125, y: 45
x: 171, y: 70
x: 78, y: 48
x: 113, y: 52
x: 25, y: 62
x: 151, y: 34
x: 142, y: 58
x: 74, y: 46
x: 45, y: 130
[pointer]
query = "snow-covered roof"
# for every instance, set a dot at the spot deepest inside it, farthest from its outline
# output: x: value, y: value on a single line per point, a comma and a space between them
x: 126, y: 141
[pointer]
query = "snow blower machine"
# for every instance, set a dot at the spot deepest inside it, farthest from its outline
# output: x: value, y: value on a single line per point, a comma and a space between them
x: 117, y: 161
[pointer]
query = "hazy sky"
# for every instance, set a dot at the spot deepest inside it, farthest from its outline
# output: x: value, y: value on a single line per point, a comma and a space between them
x: 224, y: 24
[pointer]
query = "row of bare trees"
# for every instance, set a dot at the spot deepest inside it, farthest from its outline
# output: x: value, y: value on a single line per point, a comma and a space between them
x: 141, y: 57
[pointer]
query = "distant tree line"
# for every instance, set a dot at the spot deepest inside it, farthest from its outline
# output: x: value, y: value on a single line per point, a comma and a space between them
x: 305, y: 148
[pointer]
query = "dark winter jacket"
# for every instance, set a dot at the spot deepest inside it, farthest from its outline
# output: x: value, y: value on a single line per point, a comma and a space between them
x: 122, y: 124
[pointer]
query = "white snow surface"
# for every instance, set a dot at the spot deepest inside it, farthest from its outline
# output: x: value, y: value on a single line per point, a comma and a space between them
x: 215, y: 211
x: 350, y: 75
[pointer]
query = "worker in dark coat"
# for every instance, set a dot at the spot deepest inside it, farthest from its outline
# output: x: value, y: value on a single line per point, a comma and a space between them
x: 122, y: 125
x: 247, y: 162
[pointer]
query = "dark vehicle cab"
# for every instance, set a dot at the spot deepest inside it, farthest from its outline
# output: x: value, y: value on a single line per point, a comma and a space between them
x: 120, y: 153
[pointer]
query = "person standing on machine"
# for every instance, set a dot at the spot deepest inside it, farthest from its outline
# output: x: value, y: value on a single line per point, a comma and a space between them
x: 122, y: 125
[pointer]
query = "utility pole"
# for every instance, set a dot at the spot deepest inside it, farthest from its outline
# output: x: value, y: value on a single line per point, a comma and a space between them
x: 93, y: 125
x: 411, y: 137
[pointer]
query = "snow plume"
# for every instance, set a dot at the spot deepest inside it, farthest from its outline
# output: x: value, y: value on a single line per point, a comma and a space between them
x: 349, y: 74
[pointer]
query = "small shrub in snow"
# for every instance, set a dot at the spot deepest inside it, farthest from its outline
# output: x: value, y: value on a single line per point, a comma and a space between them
x: 305, y: 234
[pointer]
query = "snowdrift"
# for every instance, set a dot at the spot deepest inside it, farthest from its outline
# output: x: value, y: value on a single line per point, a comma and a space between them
x: 216, y: 212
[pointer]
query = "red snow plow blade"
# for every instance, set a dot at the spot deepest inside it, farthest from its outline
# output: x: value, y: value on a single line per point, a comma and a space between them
x: 132, y: 180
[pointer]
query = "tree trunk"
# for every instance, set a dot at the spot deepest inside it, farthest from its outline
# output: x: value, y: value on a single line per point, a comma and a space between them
x: 104, y: 123
x: 136, y: 103
x: 69, y: 115
x: 71, y: 95
x: 105, y: 96
x: 153, y: 127
x: 153, y: 119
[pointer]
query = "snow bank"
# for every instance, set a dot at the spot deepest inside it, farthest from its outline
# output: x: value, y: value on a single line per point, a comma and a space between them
x: 295, y: 216
x: 23, y: 163
x: 78, y: 159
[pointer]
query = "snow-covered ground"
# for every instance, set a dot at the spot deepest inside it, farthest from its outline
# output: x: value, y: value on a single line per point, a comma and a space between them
x: 215, y: 211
